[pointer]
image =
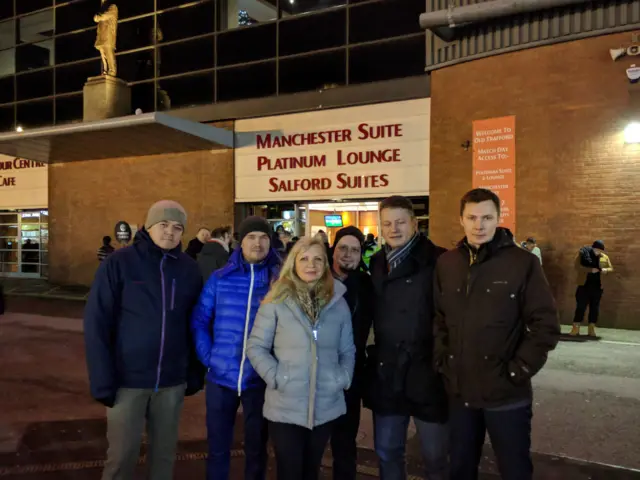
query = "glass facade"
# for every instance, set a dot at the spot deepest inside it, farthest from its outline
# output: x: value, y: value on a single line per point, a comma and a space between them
x: 179, y: 53
x: 24, y: 243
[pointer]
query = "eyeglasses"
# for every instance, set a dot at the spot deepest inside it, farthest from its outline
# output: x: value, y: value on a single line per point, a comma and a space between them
x: 344, y: 249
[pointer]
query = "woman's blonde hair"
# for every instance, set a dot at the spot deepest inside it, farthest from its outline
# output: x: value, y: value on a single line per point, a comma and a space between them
x: 289, y: 281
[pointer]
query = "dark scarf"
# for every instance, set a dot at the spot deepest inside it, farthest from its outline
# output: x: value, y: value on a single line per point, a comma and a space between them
x: 397, y: 256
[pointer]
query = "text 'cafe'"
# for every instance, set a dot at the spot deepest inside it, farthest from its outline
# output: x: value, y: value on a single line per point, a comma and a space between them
x: 303, y: 170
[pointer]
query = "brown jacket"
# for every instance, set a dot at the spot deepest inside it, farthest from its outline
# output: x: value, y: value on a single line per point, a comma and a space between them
x: 581, y: 271
x: 496, y: 321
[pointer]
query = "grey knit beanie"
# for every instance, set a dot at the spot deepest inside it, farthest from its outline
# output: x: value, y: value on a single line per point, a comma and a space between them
x: 166, y: 210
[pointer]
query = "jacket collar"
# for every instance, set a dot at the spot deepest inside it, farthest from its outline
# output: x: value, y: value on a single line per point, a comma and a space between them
x: 143, y: 242
x: 221, y: 243
x: 502, y: 239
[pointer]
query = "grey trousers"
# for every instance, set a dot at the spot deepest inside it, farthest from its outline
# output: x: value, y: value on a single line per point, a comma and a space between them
x: 125, y: 425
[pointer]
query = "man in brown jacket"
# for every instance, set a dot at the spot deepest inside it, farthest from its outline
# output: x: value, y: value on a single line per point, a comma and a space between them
x: 496, y: 321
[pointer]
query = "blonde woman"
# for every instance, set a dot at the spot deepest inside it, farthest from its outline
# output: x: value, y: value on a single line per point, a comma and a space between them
x: 302, y: 347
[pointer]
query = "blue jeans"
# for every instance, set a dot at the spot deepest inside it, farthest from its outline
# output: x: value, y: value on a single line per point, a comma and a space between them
x: 510, y: 434
x: 222, y: 406
x: 390, y: 438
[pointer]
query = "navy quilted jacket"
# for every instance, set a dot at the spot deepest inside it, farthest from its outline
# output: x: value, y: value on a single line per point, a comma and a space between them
x: 136, y: 321
x: 224, y: 315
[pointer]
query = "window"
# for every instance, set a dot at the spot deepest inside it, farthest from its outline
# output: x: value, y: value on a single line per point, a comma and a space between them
x: 75, y: 16
x: 34, y: 85
x: 7, y: 63
x: 36, y: 27
x: 295, y: 7
x: 233, y: 13
x: 384, y: 61
x: 6, y: 87
x: 259, y: 44
x: 137, y: 66
x: 142, y: 97
x: 34, y: 55
x: 186, y: 91
x: 72, y: 78
x: 135, y: 34
x: 186, y: 56
x: 186, y: 22
x: 69, y: 109
x: 312, y: 72
x: 35, y: 114
x: 134, y: 8
x: 79, y: 46
x: 6, y: 8
x: 250, y: 81
x: 26, y: 6
x: 380, y: 20
x: 7, y: 34
x: 302, y: 34
x: 7, y: 118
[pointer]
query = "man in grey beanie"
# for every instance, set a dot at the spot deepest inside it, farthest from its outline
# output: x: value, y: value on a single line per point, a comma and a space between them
x: 139, y: 349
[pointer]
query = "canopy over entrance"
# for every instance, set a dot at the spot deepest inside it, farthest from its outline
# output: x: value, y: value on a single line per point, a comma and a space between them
x: 131, y: 136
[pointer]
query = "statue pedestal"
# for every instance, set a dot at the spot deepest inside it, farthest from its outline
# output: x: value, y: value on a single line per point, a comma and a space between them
x: 106, y: 97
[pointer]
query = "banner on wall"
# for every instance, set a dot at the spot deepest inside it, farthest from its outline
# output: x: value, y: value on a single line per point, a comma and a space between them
x: 24, y: 184
x: 369, y: 151
x: 494, y: 163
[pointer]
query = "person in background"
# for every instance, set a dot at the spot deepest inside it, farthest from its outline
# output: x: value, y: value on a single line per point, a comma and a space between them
x: 215, y: 253
x: 530, y: 244
x: 370, y: 249
x: 276, y: 242
x: 302, y: 346
x: 322, y: 235
x: 591, y: 264
x: 401, y: 379
x: 285, y: 238
x: 196, y: 244
x: 496, y: 321
x: 235, y: 241
x: 106, y: 249
x: 221, y: 323
x: 347, y: 254
x: 139, y: 350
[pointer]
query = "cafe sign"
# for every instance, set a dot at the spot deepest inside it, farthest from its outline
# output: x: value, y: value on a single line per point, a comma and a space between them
x: 371, y: 151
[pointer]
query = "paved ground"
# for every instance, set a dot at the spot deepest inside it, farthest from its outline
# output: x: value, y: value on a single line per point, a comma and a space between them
x: 587, y: 407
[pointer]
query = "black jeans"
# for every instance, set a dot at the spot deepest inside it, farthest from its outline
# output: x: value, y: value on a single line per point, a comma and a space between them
x: 587, y: 297
x: 343, y: 439
x: 299, y: 450
x: 510, y: 434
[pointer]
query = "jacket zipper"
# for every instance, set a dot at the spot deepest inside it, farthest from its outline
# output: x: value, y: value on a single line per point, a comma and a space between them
x: 246, y: 333
x: 173, y: 294
x: 164, y: 321
x: 314, y: 374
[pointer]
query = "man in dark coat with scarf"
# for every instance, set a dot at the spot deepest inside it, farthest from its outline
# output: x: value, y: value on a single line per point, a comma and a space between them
x: 402, y: 382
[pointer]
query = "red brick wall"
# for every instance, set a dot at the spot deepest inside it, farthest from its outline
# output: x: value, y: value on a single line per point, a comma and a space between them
x: 86, y: 199
x: 576, y: 179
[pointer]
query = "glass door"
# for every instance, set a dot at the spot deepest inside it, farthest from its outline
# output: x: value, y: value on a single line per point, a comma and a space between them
x: 24, y: 244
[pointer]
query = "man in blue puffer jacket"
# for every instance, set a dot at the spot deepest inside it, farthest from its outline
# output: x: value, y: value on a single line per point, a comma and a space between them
x: 139, y: 349
x: 221, y: 325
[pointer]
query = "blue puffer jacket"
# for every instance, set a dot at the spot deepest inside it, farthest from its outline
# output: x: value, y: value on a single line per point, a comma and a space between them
x: 223, y: 318
x: 136, y: 321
